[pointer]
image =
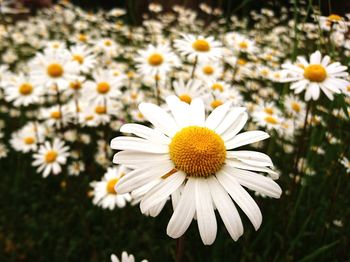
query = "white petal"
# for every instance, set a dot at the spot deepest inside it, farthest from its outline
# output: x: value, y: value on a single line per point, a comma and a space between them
x: 179, y: 110
x: 138, y: 158
x: 184, y: 211
x: 162, y: 191
x: 226, y: 209
x: 246, y: 138
x: 241, y: 197
x: 137, y: 144
x: 229, y: 119
x: 159, y: 118
x: 241, y: 165
x: 256, y: 182
x: 197, y: 112
x: 205, y: 211
x: 315, y: 58
x: 145, y: 132
x: 139, y: 177
x: 218, y: 114
x: 251, y: 157
x: 235, y: 127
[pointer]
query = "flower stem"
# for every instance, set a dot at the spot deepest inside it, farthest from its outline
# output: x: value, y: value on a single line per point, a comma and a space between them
x: 194, y: 67
x: 180, y: 248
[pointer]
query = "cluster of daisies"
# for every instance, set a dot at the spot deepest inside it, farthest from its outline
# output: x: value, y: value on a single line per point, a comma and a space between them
x: 189, y: 97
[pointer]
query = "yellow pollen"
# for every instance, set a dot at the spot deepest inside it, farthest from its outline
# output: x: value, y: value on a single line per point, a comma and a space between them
x: 76, y: 85
x: 186, y: 98
x: 243, y: 45
x: 100, y: 110
x: 217, y: 86
x: 155, y: 59
x: 55, y: 70
x: 348, y: 88
x: 103, y: 87
x: 201, y: 45
x: 140, y: 115
x: 130, y: 74
x: 110, y: 186
x: 50, y: 156
x: 82, y: 38
x: 29, y: 140
x: 216, y: 103
x: 296, y: 107
x: 26, y: 89
x: 208, y: 70
x: 197, y: 151
x: 89, y: 118
x: 56, y: 114
x: 271, y: 120
x: 134, y: 96
x: 107, y: 42
x: 334, y: 18
x: 268, y: 110
x: 241, y: 61
x: 78, y: 58
x: 315, y: 73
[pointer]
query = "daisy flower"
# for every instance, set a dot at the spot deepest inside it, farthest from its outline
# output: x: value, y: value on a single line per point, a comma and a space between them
x: 318, y: 74
x: 83, y: 57
x: 22, y: 91
x: 124, y: 258
x: 50, y: 157
x: 104, y: 192
x: 197, y: 156
x: 294, y: 106
x: 27, y: 139
x: 201, y: 48
x: 53, y: 68
x: 336, y: 21
x: 186, y: 92
x: 209, y: 71
x: 156, y: 60
x: 105, y: 86
x: 57, y: 116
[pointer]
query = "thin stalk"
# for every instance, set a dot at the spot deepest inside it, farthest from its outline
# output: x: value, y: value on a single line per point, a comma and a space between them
x: 180, y: 248
x: 194, y: 67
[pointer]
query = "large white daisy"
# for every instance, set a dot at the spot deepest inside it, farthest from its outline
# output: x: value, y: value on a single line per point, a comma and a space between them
x: 196, y: 159
x: 318, y: 74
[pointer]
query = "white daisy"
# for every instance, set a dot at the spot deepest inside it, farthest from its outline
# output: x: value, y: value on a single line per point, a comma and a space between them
x: 50, y: 157
x: 83, y: 57
x: 104, y: 192
x: 318, y: 74
x: 186, y: 150
x: 186, y: 92
x: 156, y: 60
x: 201, y: 48
x: 124, y: 258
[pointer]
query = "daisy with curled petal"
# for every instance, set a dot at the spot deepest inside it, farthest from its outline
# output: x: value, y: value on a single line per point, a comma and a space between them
x: 53, y: 68
x: 186, y: 150
x: 202, y: 48
x: 318, y: 74
x: 105, y: 86
x: 104, y: 193
x: 156, y: 60
x: 50, y: 157
x: 22, y: 91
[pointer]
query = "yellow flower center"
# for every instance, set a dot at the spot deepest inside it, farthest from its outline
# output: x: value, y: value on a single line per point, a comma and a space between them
x: 155, y: 59
x: 271, y: 120
x: 103, y: 87
x: 185, y: 98
x: 348, y: 88
x: 89, y: 117
x: 140, y: 115
x: 208, y: 70
x: 78, y: 58
x: 110, y: 186
x: 29, y: 140
x: 55, y: 70
x: 50, y: 156
x: 315, y: 73
x: 197, y: 151
x: 26, y: 89
x: 217, y: 86
x: 268, y: 110
x: 296, y: 107
x: 76, y: 85
x: 241, y: 61
x: 216, y: 103
x: 243, y: 45
x: 334, y: 18
x: 107, y: 42
x: 201, y: 45
x: 100, y: 110
x: 82, y: 37
x: 56, y: 114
